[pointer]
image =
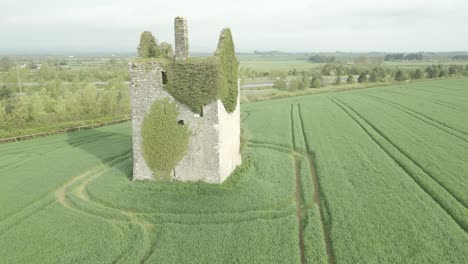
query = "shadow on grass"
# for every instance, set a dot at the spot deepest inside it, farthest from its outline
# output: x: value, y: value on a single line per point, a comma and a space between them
x: 104, y: 144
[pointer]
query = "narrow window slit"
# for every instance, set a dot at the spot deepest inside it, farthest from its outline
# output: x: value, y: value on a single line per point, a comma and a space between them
x: 164, y: 77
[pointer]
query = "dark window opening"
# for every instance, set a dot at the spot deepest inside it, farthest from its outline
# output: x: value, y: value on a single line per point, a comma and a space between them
x: 164, y: 77
x: 180, y: 122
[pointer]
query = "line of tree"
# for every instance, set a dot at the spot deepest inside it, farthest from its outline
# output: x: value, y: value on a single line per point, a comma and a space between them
x: 52, y: 97
x: 460, y: 57
x: 322, y: 59
x: 64, y: 103
x: 339, y: 74
x: 401, y: 56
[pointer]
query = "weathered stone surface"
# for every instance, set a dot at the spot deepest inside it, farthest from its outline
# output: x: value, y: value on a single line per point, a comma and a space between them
x: 181, y: 49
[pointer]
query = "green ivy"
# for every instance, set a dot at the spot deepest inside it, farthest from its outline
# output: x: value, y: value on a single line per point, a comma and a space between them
x: 164, y: 141
x: 228, y: 91
x: 198, y: 82
x: 195, y: 82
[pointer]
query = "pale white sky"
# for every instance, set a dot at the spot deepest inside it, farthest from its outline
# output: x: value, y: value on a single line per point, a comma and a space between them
x: 291, y: 25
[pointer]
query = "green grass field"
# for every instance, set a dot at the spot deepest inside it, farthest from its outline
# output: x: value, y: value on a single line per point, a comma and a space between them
x: 375, y: 175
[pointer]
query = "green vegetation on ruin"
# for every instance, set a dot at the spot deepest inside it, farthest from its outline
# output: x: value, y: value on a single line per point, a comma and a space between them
x: 164, y: 140
x: 229, y: 86
x: 195, y: 82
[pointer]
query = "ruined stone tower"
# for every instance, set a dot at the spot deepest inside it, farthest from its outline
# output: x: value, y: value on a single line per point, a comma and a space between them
x: 213, y: 150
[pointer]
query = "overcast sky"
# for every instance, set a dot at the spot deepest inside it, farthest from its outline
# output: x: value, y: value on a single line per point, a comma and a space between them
x: 288, y: 25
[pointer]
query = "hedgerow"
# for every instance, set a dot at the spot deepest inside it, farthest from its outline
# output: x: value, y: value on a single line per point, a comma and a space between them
x: 164, y: 141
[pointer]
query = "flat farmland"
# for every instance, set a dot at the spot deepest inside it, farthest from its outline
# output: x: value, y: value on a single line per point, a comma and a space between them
x: 375, y: 175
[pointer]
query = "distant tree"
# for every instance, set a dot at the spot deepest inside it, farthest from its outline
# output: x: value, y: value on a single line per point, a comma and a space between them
x: 305, y: 82
x: 165, y: 50
x: 275, y: 73
x: 322, y: 59
x: 418, y: 74
x: 414, y: 56
x: 350, y: 79
x: 432, y: 71
x: 279, y: 84
x: 328, y: 69
x: 60, y: 108
x: 378, y: 74
x: 338, y: 79
x: 394, y: 57
x: 316, y: 82
x: 3, y: 114
x: 400, y: 75
x: 295, y: 84
x: 460, y: 57
x: 20, y: 110
x: 108, y: 101
x: 5, y: 92
x: 73, y: 105
x: 362, y: 78
x: 46, y: 73
x: 6, y: 63
x: 89, y: 101
x: 36, y: 108
x: 443, y: 73
x: 373, y: 77
x: 452, y: 70
x: 148, y: 47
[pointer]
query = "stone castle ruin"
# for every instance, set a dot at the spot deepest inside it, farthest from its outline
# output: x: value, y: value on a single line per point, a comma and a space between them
x: 186, y: 113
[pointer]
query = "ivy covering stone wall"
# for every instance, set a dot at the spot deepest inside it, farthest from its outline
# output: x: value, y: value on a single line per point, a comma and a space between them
x: 164, y: 140
x: 228, y: 90
x: 198, y: 82
x: 195, y: 82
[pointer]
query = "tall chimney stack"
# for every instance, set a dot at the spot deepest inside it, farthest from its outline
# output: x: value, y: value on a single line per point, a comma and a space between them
x: 181, y: 39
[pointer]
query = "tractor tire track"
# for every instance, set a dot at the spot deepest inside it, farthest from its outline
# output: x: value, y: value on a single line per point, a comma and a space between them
x: 78, y: 186
x: 298, y: 193
x: 440, y: 93
x: 439, y: 125
x: 447, y: 88
x: 406, y: 154
x: 319, y: 195
x: 247, y: 114
x: 439, y: 199
x: 427, y: 100
x: 4, y: 228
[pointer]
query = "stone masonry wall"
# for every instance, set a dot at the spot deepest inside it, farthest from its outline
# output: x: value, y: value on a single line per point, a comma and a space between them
x: 181, y: 48
x: 214, y: 142
x: 213, y: 150
x: 145, y: 83
x: 229, y: 139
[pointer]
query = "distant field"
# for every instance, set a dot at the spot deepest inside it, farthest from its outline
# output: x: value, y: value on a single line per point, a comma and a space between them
x: 286, y: 64
x: 365, y: 176
x: 283, y: 65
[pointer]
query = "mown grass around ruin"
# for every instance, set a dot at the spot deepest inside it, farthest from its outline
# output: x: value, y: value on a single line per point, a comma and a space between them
x: 366, y: 176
